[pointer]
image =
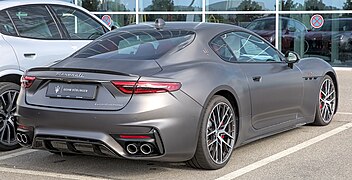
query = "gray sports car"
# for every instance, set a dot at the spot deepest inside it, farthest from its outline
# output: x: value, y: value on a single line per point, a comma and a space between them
x: 172, y: 92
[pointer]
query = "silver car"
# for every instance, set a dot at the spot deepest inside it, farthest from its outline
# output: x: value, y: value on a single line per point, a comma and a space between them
x: 181, y: 92
x: 36, y: 33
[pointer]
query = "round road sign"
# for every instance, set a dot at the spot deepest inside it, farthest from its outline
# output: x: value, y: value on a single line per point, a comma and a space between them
x: 317, y: 21
x: 107, y: 20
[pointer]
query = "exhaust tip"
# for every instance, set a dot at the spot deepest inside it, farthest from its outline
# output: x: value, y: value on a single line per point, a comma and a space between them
x: 146, y: 149
x: 132, y: 149
x: 24, y: 139
x: 19, y: 137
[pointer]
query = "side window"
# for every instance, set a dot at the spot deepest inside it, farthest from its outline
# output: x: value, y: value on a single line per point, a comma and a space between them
x: 249, y: 48
x: 78, y: 24
x: 221, y: 48
x: 34, y: 21
x: 291, y: 26
x: 6, y: 26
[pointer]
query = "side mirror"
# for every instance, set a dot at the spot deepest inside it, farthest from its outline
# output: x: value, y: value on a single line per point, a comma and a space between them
x: 291, y: 58
x: 113, y: 27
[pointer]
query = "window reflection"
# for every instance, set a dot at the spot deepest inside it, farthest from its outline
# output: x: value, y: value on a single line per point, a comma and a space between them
x: 332, y: 42
x: 119, y: 20
x: 242, y: 20
x: 309, y: 5
x: 171, y: 17
x: 108, y: 5
x: 170, y: 5
x: 240, y: 5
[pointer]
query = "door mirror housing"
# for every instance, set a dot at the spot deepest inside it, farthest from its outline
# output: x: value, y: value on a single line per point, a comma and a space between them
x: 113, y: 27
x: 291, y: 58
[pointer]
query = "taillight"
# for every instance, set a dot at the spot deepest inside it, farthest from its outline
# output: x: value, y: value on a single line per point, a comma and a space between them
x: 145, y: 87
x: 27, y: 81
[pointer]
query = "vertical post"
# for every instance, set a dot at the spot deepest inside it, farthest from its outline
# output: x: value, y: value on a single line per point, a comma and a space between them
x: 137, y: 12
x: 277, y: 25
x: 203, y: 10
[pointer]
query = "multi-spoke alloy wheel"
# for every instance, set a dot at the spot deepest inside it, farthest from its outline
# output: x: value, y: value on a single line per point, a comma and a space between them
x: 217, y: 135
x: 8, y: 96
x: 327, y: 102
x: 220, y: 133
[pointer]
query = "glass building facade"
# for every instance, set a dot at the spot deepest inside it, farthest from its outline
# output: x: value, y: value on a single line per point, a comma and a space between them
x: 312, y: 28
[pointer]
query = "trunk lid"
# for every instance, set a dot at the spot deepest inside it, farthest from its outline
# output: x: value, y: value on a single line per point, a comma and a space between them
x: 85, y: 86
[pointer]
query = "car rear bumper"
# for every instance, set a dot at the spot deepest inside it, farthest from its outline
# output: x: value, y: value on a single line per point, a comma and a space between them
x: 171, y: 120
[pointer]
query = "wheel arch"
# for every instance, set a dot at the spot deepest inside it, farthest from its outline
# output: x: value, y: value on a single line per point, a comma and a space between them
x: 231, y: 96
x: 14, y: 78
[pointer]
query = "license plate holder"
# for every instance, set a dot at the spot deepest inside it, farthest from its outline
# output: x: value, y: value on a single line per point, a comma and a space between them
x: 71, y: 91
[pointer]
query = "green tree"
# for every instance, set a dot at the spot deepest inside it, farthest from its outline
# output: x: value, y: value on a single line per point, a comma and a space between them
x: 90, y: 5
x: 347, y: 5
x: 314, y: 5
x: 161, y: 5
x: 249, y: 5
x: 288, y: 5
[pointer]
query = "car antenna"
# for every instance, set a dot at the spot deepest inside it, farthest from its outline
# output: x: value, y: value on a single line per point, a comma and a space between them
x: 159, y: 23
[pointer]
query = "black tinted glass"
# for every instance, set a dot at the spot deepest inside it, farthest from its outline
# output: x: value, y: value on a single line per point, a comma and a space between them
x: 34, y: 21
x: 147, y: 44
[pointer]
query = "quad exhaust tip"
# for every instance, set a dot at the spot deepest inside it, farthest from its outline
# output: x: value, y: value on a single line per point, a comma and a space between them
x: 22, y: 138
x: 132, y: 149
x: 146, y: 149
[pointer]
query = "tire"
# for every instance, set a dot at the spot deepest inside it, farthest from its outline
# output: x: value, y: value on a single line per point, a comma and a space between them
x: 326, y: 105
x: 8, y: 97
x: 220, y: 145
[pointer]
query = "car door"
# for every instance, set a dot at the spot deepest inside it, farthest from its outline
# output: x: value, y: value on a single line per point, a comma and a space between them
x: 37, y: 41
x: 81, y: 28
x: 276, y: 90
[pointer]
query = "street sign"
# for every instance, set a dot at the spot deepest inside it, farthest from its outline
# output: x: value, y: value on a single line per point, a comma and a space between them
x: 317, y: 21
x: 107, y: 20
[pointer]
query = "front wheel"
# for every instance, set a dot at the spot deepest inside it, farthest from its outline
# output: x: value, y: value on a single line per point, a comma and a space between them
x: 325, y: 109
x: 217, y: 135
x: 8, y: 97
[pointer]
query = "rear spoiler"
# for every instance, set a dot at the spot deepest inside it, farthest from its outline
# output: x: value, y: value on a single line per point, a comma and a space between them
x: 78, y: 70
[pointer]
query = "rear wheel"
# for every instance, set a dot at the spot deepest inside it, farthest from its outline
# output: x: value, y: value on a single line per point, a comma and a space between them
x: 8, y: 97
x: 325, y: 109
x: 217, y: 135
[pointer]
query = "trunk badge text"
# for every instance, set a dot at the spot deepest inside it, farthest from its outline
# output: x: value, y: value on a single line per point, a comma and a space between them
x: 80, y: 75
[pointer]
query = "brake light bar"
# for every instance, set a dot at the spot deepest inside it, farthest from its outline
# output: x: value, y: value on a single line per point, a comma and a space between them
x: 146, y: 87
x: 27, y: 81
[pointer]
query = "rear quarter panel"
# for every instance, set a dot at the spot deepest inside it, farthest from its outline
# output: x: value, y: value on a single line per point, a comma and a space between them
x: 8, y: 60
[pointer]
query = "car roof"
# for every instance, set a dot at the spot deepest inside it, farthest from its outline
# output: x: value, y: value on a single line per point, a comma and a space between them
x: 191, y: 26
x: 4, y: 4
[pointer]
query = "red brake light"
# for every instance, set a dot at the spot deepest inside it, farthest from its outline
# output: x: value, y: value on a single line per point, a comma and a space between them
x: 27, y: 81
x: 134, y: 137
x: 145, y: 87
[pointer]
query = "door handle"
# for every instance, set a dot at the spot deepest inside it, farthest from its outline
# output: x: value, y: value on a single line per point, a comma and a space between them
x: 257, y: 78
x: 29, y: 55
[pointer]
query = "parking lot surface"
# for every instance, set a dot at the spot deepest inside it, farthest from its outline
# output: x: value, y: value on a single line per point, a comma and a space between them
x: 308, y: 152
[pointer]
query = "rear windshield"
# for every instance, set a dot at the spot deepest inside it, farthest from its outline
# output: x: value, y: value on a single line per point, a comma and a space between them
x: 142, y: 44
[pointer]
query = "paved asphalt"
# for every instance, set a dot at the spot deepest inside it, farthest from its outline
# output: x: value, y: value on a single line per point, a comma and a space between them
x: 283, y: 156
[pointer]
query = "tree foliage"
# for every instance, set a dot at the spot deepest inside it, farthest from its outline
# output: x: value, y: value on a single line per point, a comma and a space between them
x: 314, y: 5
x: 161, y: 5
x: 288, y: 5
x: 347, y: 5
x: 249, y: 5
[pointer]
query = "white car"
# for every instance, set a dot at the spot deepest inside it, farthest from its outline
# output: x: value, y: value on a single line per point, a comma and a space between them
x: 36, y: 33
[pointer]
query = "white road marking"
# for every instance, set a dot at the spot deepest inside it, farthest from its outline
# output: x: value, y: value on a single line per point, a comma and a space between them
x: 20, y: 153
x: 342, y: 68
x: 344, y: 113
x: 48, y: 174
x: 284, y: 153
